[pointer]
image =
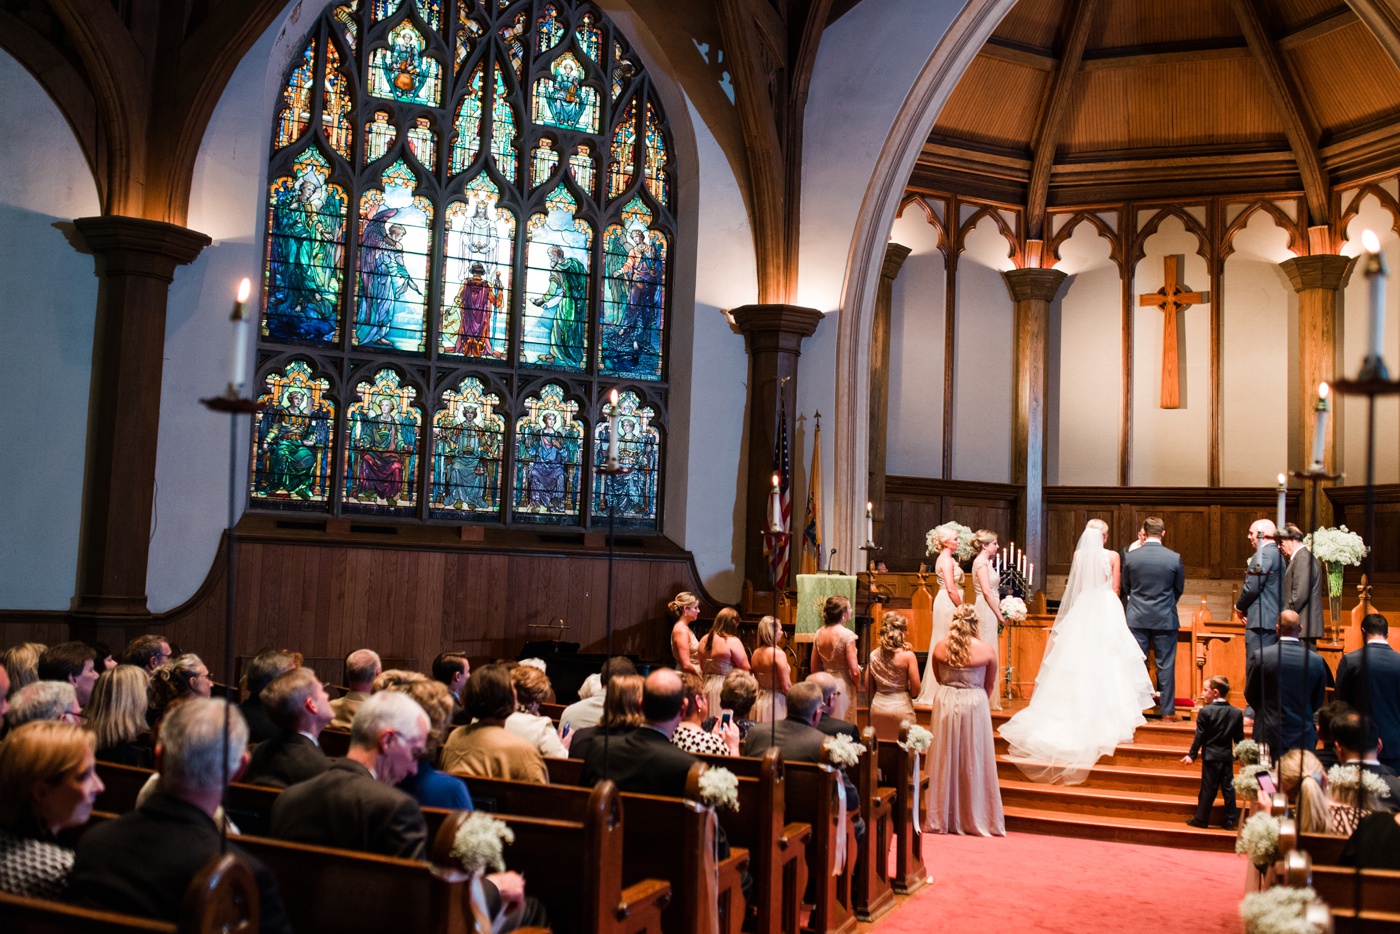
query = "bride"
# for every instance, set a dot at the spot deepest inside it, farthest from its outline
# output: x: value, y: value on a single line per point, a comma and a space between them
x: 1093, y: 684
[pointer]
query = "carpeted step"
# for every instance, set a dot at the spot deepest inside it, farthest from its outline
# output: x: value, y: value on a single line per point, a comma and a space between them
x: 1176, y: 734
x: 1186, y: 781
x: 1097, y: 802
x: 1138, y: 755
x: 1121, y: 830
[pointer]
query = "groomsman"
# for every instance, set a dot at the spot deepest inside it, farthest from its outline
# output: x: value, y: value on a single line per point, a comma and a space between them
x: 1261, y: 597
x: 1302, y: 584
x: 1285, y: 689
x: 1372, y: 685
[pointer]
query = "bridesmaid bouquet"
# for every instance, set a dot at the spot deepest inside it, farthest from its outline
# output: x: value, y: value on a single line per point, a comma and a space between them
x: 1259, y: 840
x: 843, y: 751
x: 719, y: 788
x: 478, y: 843
x: 1284, y: 910
x: 1013, y: 608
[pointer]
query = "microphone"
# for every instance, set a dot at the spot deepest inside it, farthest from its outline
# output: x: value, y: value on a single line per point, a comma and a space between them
x: 831, y: 560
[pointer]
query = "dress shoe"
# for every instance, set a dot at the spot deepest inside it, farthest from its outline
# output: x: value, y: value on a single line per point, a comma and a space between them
x: 1192, y: 822
x: 1228, y: 825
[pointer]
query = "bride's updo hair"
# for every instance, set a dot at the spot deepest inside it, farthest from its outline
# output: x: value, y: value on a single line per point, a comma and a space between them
x: 894, y: 632
x: 1099, y: 524
x: 982, y: 538
x: 834, y: 609
x: 677, y: 607
x: 961, y: 634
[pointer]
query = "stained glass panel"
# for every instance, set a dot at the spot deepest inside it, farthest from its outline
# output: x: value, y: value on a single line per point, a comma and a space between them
x: 466, y: 141
x: 402, y: 72
x: 422, y: 142
x: 563, y: 100
x: 395, y: 241
x: 381, y: 465
x: 292, y: 449
x: 383, y: 9
x: 634, y: 263
x: 480, y: 254
x: 542, y: 161
x: 468, y: 35
x: 656, y: 159
x: 513, y: 37
x: 349, y: 29
x: 548, y: 452
x: 468, y: 439
x: 296, y: 100
x: 590, y: 37
x: 631, y: 496
x: 624, y: 152
x: 582, y: 167
x: 305, y: 253
x: 548, y: 29
x: 557, y: 285
x: 503, y: 129
x: 431, y: 11
x: 335, y: 109
x: 622, y: 72
x: 379, y: 136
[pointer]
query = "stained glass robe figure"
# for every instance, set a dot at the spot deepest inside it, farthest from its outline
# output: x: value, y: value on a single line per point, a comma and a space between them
x: 477, y: 302
x: 567, y: 295
x: 551, y: 453
x: 382, y: 443
x: 629, y: 490
x: 567, y: 102
x: 381, y: 266
x: 468, y: 452
x: 291, y: 437
x: 633, y: 336
x: 304, y: 268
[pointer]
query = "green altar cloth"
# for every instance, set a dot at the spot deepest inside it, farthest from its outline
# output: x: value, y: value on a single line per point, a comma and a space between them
x: 812, y: 591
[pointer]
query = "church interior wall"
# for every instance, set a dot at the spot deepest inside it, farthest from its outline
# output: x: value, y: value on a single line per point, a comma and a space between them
x: 983, y: 351
x: 917, y: 316
x: 1352, y: 340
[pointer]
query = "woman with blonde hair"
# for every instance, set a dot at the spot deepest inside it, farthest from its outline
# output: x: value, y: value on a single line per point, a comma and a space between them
x: 21, y: 663
x: 682, y: 612
x: 1300, y: 777
x: 770, y: 667
x: 987, y: 583
x: 949, y: 598
x: 963, y: 795
x: 893, y: 672
x: 183, y: 676
x: 720, y: 653
x: 116, y: 715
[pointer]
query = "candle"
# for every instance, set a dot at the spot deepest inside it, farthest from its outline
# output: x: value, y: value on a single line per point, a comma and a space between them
x: 1282, y: 500
x: 240, y: 340
x: 775, y: 507
x: 1030, y: 573
x: 1320, y: 426
x: 613, y: 460
x: 1021, y: 563
x: 1376, y: 272
x: 870, y: 523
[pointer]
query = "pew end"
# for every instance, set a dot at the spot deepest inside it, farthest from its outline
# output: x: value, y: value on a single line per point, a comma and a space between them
x: 873, y: 888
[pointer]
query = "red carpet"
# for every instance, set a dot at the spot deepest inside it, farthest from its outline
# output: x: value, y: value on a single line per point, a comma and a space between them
x: 1058, y: 885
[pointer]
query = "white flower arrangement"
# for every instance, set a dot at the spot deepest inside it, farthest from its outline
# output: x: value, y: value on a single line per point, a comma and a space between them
x: 1246, y: 785
x: 719, y: 788
x: 1350, y: 776
x: 843, y: 751
x: 1280, y: 910
x: 1259, y: 840
x: 1337, y: 546
x: 479, y: 843
x: 916, y: 738
x: 1014, y: 608
x: 1247, y: 751
x: 535, y: 663
x: 938, y: 534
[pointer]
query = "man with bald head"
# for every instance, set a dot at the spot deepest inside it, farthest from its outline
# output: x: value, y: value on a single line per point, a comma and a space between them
x: 829, y: 723
x: 644, y: 760
x: 362, y: 666
x: 1285, y: 689
x: 1261, y: 597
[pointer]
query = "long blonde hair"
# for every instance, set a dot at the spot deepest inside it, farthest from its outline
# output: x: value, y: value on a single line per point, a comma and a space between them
x: 116, y: 714
x: 726, y: 624
x: 961, y: 634
x: 894, y: 633
x: 770, y: 631
x: 1297, y: 769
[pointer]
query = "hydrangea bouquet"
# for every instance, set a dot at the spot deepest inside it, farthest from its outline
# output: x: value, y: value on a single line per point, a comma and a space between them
x: 1336, y: 548
x: 843, y: 751
x: 719, y: 788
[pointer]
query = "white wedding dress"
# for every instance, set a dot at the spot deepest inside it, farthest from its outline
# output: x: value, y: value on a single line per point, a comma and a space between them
x: 1093, y: 684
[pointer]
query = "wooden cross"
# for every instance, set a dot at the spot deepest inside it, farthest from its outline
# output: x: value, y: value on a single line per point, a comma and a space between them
x: 1171, y: 299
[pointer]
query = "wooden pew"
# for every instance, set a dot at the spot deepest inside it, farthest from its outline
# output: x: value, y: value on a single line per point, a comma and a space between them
x: 121, y: 785
x: 335, y: 743
x: 896, y: 764
x: 873, y: 889
x: 1370, y: 904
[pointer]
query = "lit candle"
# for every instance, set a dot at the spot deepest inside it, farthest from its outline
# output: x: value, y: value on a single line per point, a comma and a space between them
x: 240, y: 339
x: 1021, y: 563
x: 775, y: 507
x: 613, y: 460
x: 1030, y: 573
x: 1320, y: 426
x: 1374, y: 367
x: 870, y: 523
x: 1282, y: 500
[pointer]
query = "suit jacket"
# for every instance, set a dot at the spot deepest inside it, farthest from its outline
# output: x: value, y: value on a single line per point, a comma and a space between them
x: 834, y: 727
x: 1153, y: 578
x: 260, y: 725
x: 1303, y: 591
x: 642, y: 760
x: 798, y: 742
x: 1304, y: 678
x: 1392, y: 782
x: 1218, y: 727
x: 1376, y: 689
x: 348, y: 808
x: 142, y: 863
x: 345, y: 709
x: 1261, y: 597
x: 284, y: 760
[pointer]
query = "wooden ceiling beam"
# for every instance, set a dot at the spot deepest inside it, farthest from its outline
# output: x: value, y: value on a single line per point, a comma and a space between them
x: 1174, y: 56
x: 1318, y: 28
x: 1018, y: 55
x: 1302, y: 135
x: 1052, y: 117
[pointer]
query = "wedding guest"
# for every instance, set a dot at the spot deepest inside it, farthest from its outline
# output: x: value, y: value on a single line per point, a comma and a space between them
x: 1303, y: 585
x: 987, y: 583
x: 532, y: 688
x: 73, y: 662
x: 453, y: 669
x: 44, y: 700
x: 1326, y: 748
x: 257, y: 675
x: 1286, y: 687
x: 622, y: 713
x: 1218, y: 727
x: 643, y: 759
x: 948, y: 599
x: 116, y: 715
x: 1301, y: 778
x: 682, y: 613
x: 690, y: 735
x: 297, y: 703
x: 588, y: 711
x: 429, y: 787
x: 4, y: 698
x: 1261, y: 597
x: 146, y: 652
x: 739, y: 694
x: 1375, y: 844
x: 362, y: 666
x: 485, y: 748
x: 182, y: 676
x: 22, y: 663
x: 721, y: 652
x: 105, y: 661
x: 829, y: 723
x: 834, y: 652
x: 1357, y: 743
x: 892, y: 677
x: 1369, y: 680
x: 770, y: 667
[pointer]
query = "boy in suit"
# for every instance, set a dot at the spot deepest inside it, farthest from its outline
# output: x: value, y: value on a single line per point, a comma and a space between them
x: 1218, y: 727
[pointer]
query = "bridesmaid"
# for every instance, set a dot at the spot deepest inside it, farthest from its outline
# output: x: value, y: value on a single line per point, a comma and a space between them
x: 721, y: 652
x: 950, y: 591
x: 770, y: 667
x: 682, y: 612
x: 835, y: 651
x: 986, y: 581
x: 893, y: 673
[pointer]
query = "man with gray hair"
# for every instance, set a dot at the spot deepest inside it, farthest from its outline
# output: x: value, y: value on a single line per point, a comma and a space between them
x: 830, y: 724
x: 143, y: 862
x: 297, y: 703
x: 1261, y: 597
x: 362, y: 666
x: 44, y: 700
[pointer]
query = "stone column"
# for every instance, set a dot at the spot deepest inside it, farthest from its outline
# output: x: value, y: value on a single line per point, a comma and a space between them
x: 773, y: 336
x: 1317, y: 279
x: 135, y: 263
x: 895, y: 255
x: 1032, y: 290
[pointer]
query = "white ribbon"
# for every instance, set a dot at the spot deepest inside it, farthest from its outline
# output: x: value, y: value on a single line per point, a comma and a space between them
x: 918, y: 787
x: 840, y: 824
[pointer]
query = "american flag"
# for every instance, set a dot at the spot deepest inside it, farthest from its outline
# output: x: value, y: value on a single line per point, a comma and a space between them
x: 779, y: 546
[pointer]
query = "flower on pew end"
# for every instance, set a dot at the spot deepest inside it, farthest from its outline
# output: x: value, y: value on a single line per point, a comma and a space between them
x: 1351, y: 776
x: 719, y: 788
x: 917, y: 738
x: 1283, y: 910
x: 478, y: 844
x: 843, y: 751
x: 1247, y: 751
x: 1258, y: 840
x: 1246, y: 785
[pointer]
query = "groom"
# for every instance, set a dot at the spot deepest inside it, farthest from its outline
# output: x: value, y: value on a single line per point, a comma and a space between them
x: 1153, y: 579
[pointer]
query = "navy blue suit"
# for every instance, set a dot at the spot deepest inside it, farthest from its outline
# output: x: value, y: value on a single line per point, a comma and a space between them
x: 1304, y: 682
x: 1152, y: 581
x: 1375, y: 691
x: 1261, y: 601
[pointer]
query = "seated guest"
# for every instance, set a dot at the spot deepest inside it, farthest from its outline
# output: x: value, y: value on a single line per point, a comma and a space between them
x: 532, y: 688
x: 1326, y: 750
x: 72, y: 662
x: 21, y: 662
x: 644, y: 760
x: 1300, y: 779
x: 690, y: 735
x: 740, y: 694
x: 622, y: 713
x: 832, y: 698
x: 116, y: 715
x: 361, y: 668
x: 297, y: 703
x: 485, y: 748
x: 48, y: 781
x: 146, y: 652
x: 1357, y: 743
x: 429, y: 787
x: 453, y: 669
x: 1375, y: 844
x: 183, y: 676
x: 589, y: 710
x: 258, y: 675
x: 43, y: 700
x: 4, y: 697
x: 143, y: 862
x: 105, y: 661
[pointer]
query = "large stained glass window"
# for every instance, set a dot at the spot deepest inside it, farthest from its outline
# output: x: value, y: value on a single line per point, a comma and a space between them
x: 470, y: 242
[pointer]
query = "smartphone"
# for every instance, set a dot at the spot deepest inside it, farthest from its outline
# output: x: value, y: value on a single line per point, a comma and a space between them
x: 725, y: 717
x: 564, y: 733
x: 1266, y: 783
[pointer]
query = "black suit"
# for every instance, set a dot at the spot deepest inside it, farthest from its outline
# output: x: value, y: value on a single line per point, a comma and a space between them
x: 799, y: 742
x: 1261, y: 599
x: 1382, y: 700
x: 642, y: 761
x: 833, y: 727
x: 260, y: 725
x: 142, y: 863
x: 345, y: 807
x: 1218, y: 727
x: 1304, y: 678
x: 1153, y: 578
x: 1303, y: 593
x: 284, y: 760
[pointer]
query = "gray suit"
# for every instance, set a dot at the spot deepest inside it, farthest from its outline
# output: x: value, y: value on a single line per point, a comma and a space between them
x: 1303, y: 592
x: 1152, y: 581
x: 1261, y: 600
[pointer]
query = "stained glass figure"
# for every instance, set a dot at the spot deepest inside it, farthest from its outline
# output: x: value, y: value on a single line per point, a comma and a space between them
x: 431, y: 11
x: 379, y: 136
x: 630, y: 496
x: 557, y: 285
x: 292, y: 448
x: 542, y: 162
x: 349, y: 28
x: 634, y: 263
x: 582, y: 167
x: 305, y: 253
x: 590, y: 37
x: 468, y: 439
x: 335, y: 109
x: 480, y: 253
x: 402, y: 72
x: 468, y: 35
x: 548, y: 29
x: 513, y: 37
x: 622, y: 72
x: 548, y: 451
x: 395, y: 240
x: 383, y: 9
x: 466, y: 140
x: 381, y: 465
x: 422, y: 142
x: 503, y: 131
x: 654, y: 167
x: 296, y: 101
x: 624, y: 152
x: 563, y: 100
